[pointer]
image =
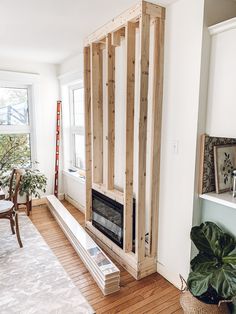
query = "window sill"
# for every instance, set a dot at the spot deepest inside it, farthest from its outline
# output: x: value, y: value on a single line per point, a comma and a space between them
x: 74, y: 175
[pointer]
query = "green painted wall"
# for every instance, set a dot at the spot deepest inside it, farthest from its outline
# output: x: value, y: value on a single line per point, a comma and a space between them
x: 224, y: 217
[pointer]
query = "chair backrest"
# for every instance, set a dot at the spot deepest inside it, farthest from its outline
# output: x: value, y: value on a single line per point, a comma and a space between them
x: 14, y: 185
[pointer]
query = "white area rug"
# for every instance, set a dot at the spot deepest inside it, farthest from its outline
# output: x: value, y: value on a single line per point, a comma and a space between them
x: 31, y: 279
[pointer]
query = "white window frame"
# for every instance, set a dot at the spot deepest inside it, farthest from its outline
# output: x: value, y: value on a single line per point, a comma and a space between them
x: 31, y: 82
x: 73, y: 128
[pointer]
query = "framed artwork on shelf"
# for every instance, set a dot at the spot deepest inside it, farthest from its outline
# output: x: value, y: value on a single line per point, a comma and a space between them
x: 225, y: 163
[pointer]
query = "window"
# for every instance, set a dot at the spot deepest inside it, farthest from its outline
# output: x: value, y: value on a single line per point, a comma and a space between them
x: 77, y: 127
x: 15, y: 132
x: 14, y: 106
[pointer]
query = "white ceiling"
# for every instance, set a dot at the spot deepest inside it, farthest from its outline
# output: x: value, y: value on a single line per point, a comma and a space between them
x: 52, y: 30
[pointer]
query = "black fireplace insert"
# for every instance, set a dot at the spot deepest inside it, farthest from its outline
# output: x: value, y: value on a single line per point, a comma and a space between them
x: 107, y: 217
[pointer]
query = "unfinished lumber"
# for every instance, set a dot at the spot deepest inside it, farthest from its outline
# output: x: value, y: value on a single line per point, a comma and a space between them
x: 110, y: 96
x: 114, y: 194
x: 142, y: 136
x: 157, y: 88
x: 116, y: 37
x: 87, y: 120
x: 153, y: 10
x: 131, y: 15
x: 138, y: 257
x: 97, y: 113
x: 129, y: 139
x: 104, y: 272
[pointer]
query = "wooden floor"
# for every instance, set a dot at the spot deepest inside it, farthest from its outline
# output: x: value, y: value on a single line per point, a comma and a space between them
x: 152, y: 294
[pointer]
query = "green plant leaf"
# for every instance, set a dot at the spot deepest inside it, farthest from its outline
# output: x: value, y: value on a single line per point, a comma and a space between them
x: 211, y: 240
x: 230, y: 259
x: 227, y: 243
x: 198, y: 283
x: 224, y: 281
x: 213, y: 275
x: 204, y: 263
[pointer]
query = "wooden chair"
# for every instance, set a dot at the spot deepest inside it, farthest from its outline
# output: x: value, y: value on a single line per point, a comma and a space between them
x: 8, y: 207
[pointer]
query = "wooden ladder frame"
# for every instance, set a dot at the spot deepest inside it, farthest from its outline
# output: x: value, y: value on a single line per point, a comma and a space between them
x: 143, y: 261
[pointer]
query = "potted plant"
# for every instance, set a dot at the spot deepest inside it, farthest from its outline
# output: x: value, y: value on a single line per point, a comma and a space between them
x: 211, y: 283
x: 32, y: 183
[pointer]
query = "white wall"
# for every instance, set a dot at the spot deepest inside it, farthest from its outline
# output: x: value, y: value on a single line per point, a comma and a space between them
x: 183, y: 42
x: 71, y: 65
x: 45, y: 113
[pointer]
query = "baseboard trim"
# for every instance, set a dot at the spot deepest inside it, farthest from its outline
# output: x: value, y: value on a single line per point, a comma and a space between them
x: 168, y: 275
x: 75, y: 203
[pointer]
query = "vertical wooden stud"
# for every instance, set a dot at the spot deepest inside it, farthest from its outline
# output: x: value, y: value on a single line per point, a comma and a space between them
x: 97, y: 113
x: 158, y: 65
x: 129, y: 145
x: 142, y: 136
x: 87, y: 119
x: 110, y: 95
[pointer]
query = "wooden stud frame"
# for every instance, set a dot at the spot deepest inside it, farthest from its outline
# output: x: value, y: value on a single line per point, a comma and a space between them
x: 143, y: 261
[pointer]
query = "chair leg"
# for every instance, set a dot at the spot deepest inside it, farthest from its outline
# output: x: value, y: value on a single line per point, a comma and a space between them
x: 17, y: 231
x: 30, y: 205
x: 12, y: 224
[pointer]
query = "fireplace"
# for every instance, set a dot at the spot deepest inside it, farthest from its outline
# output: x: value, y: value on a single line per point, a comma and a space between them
x: 107, y: 217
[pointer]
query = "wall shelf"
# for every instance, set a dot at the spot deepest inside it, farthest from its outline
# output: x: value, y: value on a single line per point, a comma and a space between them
x: 225, y: 199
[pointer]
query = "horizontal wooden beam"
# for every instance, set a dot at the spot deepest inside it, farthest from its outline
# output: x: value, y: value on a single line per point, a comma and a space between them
x: 115, y: 195
x: 131, y: 15
x: 153, y: 10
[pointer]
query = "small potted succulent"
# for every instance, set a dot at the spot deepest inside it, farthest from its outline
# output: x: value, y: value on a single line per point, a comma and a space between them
x: 211, y: 284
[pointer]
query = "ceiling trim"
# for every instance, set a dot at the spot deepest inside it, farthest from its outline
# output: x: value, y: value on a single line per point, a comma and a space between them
x: 223, y: 26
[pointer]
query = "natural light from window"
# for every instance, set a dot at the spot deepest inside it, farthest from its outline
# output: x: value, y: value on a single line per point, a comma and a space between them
x: 15, y: 132
x: 77, y: 127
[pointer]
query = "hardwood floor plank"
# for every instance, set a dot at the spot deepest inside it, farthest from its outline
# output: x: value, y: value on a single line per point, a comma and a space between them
x: 152, y: 294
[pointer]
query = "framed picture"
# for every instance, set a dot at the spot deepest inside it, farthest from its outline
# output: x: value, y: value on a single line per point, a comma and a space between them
x: 225, y: 163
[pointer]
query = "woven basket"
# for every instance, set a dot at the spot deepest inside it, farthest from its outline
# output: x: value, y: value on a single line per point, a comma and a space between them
x: 192, y: 305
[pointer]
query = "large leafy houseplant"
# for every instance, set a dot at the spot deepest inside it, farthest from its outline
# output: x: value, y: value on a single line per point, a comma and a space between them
x: 213, y: 275
x: 15, y: 153
x: 32, y: 182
